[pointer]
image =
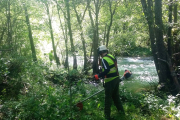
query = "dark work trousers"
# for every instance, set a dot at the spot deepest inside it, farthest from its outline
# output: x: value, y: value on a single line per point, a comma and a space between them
x: 112, y: 93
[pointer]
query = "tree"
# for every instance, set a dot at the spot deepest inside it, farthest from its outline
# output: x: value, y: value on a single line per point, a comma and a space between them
x: 8, y: 15
x: 170, y: 29
x: 64, y: 32
x: 97, y: 4
x: 70, y: 34
x: 112, y: 12
x: 30, y: 33
x: 161, y: 51
x: 175, y: 40
x: 162, y: 60
x: 51, y: 32
x: 80, y: 19
x: 148, y: 12
x: 2, y: 33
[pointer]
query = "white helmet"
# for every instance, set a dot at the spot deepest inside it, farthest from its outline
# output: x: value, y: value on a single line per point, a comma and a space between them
x: 101, y: 49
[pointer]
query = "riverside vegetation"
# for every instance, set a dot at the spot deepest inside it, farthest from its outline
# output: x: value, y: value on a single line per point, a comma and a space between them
x: 34, y: 31
x: 30, y: 90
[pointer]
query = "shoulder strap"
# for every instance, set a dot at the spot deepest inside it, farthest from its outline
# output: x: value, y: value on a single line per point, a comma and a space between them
x: 111, y: 58
x: 115, y: 63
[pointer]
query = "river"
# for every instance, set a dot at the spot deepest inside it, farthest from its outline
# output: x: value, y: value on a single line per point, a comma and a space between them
x: 143, y: 69
x: 144, y: 77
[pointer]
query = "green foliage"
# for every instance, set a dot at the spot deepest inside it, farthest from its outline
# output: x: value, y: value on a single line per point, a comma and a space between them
x: 41, y: 98
x: 11, y: 70
x: 37, y: 98
x: 30, y: 90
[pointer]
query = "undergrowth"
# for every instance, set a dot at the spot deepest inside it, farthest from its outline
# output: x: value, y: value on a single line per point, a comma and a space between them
x: 30, y: 90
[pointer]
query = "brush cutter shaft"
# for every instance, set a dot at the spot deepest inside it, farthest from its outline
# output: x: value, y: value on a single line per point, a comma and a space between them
x: 93, y: 95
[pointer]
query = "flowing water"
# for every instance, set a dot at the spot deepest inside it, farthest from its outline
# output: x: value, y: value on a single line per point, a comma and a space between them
x: 143, y: 69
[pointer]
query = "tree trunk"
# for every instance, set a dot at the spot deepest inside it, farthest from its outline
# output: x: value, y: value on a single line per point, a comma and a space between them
x: 170, y: 29
x: 95, y: 34
x: 175, y: 11
x: 176, y: 46
x: 30, y: 33
x: 162, y: 72
x: 66, y: 44
x: 96, y: 38
x: 2, y: 35
x: 51, y: 32
x: 64, y: 35
x: 82, y: 34
x: 147, y: 9
x: 66, y: 64
x: 104, y: 39
x: 112, y: 12
x: 70, y: 34
x: 8, y: 14
x: 172, y: 73
x: 91, y: 50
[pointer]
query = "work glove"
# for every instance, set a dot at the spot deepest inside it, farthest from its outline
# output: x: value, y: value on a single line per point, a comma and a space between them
x: 96, y: 77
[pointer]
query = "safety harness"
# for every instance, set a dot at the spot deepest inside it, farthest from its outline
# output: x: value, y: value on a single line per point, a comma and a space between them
x: 113, y: 73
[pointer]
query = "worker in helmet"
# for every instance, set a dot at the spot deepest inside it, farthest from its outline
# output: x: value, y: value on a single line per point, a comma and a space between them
x: 111, y: 81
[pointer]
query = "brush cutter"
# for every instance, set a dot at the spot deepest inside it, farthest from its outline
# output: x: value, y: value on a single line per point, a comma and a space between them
x: 80, y: 104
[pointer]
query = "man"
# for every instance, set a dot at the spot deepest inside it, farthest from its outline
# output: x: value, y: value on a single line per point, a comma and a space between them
x: 127, y: 74
x: 111, y: 81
